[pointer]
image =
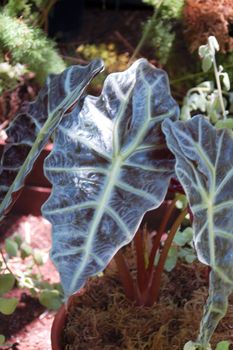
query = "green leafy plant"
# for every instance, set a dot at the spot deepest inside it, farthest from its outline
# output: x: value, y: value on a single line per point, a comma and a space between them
x: 222, y: 345
x: 10, y: 75
x: 181, y: 249
x: 31, y: 278
x: 14, y: 250
x: 33, y: 12
x: 158, y: 31
x: 112, y: 161
x: 29, y: 46
x: 206, y: 98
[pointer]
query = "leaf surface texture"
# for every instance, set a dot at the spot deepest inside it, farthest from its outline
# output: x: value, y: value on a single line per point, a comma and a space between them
x: 30, y: 131
x: 204, y: 166
x: 110, y: 164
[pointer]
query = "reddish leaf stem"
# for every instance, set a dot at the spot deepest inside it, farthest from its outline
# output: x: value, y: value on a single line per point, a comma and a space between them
x: 155, y: 286
x: 125, y: 276
x: 159, y: 234
x: 139, y: 244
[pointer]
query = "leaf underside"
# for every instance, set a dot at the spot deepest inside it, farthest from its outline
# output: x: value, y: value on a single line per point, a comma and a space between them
x: 204, y: 166
x: 30, y: 131
x: 110, y: 164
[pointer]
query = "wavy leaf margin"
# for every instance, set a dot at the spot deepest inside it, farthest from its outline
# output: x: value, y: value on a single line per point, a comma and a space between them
x: 110, y: 164
x: 30, y: 131
x: 204, y: 166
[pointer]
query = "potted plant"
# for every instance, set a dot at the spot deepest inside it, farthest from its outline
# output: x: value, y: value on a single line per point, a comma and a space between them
x: 112, y: 161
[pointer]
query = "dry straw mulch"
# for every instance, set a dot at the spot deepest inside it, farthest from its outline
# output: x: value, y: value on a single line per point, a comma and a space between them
x: 103, y: 319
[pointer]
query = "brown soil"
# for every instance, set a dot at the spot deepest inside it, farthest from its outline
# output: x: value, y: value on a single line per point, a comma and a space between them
x: 103, y: 319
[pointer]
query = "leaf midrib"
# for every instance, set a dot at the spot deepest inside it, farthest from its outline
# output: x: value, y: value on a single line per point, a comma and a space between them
x: 105, y: 196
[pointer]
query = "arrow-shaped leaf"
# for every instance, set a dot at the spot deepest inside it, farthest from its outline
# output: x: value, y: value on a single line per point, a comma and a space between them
x: 33, y: 126
x: 204, y: 166
x: 110, y: 164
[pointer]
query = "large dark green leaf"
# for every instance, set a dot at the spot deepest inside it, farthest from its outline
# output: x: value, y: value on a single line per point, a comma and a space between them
x: 110, y: 164
x: 204, y: 166
x: 33, y: 126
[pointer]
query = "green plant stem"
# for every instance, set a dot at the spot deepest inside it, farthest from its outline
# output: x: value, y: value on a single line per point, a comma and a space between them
x: 125, y: 276
x: 6, y: 264
x: 193, y: 76
x: 158, y: 236
x: 156, y: 283
x: 216, y: 73
x: 145, y: 34
x: 43, y: 19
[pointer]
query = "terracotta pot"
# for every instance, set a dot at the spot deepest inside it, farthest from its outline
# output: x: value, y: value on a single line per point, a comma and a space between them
x: 37, y: 188
x: 30, y: 200
x: 60, y: 321
x: 57, y: 328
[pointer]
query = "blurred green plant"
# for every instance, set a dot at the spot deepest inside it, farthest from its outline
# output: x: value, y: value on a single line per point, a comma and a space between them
x: 113, y: 60
x: 108, y: 52
x: 211, y: 98
x: 23, y: 43
x: 222, y: 345
x: 18, y: 250
x: 158, y: 31
x: 181, y: 249
x: 34, y: 12
x: 10, y: 75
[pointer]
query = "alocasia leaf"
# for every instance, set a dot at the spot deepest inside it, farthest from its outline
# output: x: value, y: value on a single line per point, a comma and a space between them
x: 33, y: 126
x: 110, y: 164
x: 204, y: 166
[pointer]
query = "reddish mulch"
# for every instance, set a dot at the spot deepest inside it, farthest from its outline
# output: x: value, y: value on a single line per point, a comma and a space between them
x: 29, y: 327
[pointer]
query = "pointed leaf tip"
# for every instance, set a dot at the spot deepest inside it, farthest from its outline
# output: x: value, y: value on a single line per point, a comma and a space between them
x: 30, y: 131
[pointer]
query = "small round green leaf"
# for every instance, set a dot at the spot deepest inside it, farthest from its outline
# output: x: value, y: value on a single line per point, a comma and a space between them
x: 2, y: 339
x: 50, y: 299
x: 227, y: 123
x: 183, y: 237
x: 190, y: 258
x: 8, y: 306
x: 226, y: 81
x: 213, y: 44
x: 7, y: 282
x: 203, y: 50
x: 207, y: 63
x: 11, y: 247
x: 58, y: 286
x: 25, y: 250
x: 194, y: 346
x: 18, y: 239
x: 223, y: 345
x: 171, y: 259
x: 39, y: 257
